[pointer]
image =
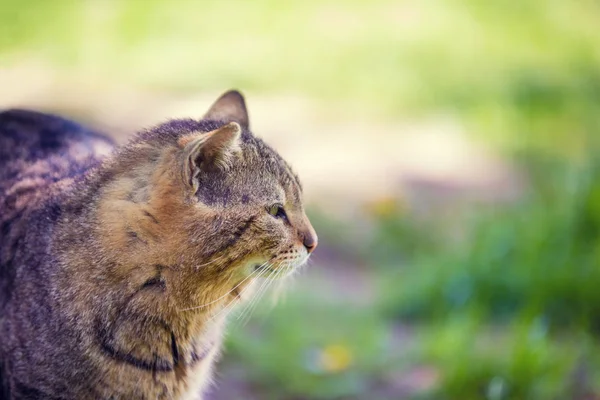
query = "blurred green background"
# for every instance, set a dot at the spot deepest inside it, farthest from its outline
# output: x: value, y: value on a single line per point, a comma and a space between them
x: 449, y: 150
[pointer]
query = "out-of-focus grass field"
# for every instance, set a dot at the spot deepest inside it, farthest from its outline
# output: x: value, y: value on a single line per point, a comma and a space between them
x: 482, y: 301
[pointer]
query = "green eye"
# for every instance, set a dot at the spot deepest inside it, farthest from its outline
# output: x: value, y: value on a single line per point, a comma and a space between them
x: 277, y: 211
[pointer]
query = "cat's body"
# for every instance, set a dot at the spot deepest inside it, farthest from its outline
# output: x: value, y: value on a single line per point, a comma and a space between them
x: 117, y: 271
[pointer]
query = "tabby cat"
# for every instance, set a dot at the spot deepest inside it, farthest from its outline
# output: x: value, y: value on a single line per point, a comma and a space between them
x: 118, y: 266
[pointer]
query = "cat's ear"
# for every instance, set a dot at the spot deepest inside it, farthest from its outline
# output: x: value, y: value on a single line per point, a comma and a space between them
x: 230, y: 107
x: 209, y: 151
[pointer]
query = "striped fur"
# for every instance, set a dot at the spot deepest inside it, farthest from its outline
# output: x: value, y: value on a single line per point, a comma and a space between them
x: 117, y: 266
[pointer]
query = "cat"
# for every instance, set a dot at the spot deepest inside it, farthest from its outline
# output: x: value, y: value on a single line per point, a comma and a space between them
x: 118, y: 266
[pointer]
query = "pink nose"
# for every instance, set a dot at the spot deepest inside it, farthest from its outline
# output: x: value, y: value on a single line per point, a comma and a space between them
x: 310, y: 242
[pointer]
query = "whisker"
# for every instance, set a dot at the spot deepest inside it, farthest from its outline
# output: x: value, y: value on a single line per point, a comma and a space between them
x: 277, y: 281
x: 268, y: 279
x: 228, y: 308
x: 210, y: 262
x: 266, y: 272
x: 231, y: 305
x: 269, y: 282
x: 277, y: 293
x: 226, y: 294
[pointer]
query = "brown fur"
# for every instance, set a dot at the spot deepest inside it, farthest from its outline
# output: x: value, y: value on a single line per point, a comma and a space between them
x: 119, y: 274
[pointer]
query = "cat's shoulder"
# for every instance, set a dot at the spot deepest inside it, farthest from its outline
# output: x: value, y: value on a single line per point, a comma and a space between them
x: 38, y: 150
x: 31, y: 135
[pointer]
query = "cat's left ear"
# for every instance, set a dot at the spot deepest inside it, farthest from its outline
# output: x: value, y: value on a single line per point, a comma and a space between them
x: 205, y: 152
x: 230, y: 107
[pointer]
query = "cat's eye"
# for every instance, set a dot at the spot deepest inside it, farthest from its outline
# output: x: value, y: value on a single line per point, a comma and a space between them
x: 277, y: 211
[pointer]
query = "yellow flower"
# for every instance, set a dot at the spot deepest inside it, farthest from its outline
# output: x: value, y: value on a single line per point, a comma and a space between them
x: 385, y: 207
x: 335, y: 358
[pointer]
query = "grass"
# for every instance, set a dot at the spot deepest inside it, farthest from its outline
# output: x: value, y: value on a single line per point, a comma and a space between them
x: 513, y: 307
x: 327, y: 360
x: 538, y: 256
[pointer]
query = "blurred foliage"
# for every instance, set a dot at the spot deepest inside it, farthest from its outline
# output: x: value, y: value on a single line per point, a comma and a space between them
x: 522, y: 73
x: 531, y: 266
x: 305, y: 349
x: 538, y: 256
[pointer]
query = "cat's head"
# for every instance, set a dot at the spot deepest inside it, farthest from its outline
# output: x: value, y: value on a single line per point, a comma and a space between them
x: 254, y: 197
x: 216, y: 197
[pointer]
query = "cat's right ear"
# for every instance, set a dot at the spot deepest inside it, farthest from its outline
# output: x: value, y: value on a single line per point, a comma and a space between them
x: 230, y: 107
x: 208, y: 151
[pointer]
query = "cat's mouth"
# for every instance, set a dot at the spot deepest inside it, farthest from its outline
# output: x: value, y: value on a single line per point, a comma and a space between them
x: 273, y: 271
x: 263, y: 268
x: 257, y: 267
x: 276, y: 270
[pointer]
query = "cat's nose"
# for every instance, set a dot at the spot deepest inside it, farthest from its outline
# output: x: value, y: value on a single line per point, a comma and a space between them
x: 310, y: 242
